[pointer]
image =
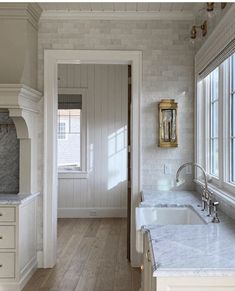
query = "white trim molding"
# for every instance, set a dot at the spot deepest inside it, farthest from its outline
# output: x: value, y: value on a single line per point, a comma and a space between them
x: 22, y: 103
x: 25, y: 11
x: 221, y: 36
x: 118, y: 15
x: 51, y: 60
x: 91, y: 212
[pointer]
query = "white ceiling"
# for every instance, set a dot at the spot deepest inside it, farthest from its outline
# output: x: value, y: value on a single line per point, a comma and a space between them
x: 121, y: 6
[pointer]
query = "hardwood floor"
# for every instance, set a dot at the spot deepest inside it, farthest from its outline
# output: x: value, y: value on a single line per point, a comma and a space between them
x: 91, y: 256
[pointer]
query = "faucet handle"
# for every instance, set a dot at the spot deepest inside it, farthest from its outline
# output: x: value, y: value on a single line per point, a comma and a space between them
x: 211, y: 193
x: 215, y: 218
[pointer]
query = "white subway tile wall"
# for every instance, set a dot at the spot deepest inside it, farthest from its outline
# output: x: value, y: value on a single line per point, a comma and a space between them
x: 168, y: 72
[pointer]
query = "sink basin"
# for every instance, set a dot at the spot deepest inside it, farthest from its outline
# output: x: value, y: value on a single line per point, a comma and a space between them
x: 163, y: 216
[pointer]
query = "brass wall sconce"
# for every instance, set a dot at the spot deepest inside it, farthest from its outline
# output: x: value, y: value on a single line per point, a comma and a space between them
x: 211, y: 9
x: 203, y: 28
x: 168, y: 124
x: 223, y: 5
x: 210, y: 6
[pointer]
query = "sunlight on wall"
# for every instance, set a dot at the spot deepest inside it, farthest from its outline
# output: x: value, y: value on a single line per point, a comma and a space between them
x: 117, y: 157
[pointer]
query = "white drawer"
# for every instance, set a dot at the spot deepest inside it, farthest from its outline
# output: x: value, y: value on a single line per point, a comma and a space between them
x: 7, y: 265
x: 7, y: 236
x: 7, y: 214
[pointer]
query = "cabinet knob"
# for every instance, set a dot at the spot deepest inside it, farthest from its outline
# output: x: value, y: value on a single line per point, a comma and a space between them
x: 142, y: 268
x: 1, y: 237
x: 0, y: 214
x: 0, y: 265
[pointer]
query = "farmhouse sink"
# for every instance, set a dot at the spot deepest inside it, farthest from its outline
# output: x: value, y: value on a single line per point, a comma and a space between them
x: 163, y: 216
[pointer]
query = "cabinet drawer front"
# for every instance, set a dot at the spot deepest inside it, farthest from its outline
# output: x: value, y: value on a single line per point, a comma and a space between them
x: 7, y: 265
x: 7, y: 214
x: 7, y: 237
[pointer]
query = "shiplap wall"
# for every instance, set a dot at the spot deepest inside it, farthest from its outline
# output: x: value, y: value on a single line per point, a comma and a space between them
x: 103, y: 191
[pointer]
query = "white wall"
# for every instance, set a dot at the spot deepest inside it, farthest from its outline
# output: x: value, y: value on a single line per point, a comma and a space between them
x: 168, y: 72
x: 103, y: 191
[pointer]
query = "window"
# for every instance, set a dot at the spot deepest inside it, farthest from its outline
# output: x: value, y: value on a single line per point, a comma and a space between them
x: 69, y: 131
x: 232, y: 128
x: 214, y: 130
x: 216, y: 124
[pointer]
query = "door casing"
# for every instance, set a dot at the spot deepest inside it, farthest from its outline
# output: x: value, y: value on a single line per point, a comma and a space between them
x: 51, y: 60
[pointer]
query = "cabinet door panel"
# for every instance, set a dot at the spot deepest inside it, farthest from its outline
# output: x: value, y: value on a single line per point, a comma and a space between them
x: 7, y: 214
x: 7, y: 237
x: 7, y: 265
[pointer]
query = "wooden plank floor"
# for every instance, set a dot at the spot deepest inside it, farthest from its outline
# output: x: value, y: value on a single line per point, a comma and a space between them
x: 91, y: 256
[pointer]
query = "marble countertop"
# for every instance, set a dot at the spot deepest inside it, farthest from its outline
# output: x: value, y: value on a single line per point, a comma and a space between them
x: 16, y: 199
x: 190, y: 250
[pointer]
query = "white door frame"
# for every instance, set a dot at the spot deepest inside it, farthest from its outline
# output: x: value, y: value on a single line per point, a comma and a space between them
x: 51, y: 60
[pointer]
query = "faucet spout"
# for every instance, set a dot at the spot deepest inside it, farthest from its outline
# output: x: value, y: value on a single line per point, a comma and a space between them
x: 196, y: 166
x: 206, y: 195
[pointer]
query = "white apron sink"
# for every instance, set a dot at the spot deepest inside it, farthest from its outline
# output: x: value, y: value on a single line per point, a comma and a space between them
x: 163, y: 216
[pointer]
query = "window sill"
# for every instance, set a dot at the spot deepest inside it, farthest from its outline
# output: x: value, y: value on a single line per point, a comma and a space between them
x: 224, y: 194
x: 70, y: 174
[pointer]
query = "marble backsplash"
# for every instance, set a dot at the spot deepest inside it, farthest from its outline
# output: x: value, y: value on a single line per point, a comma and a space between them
x: 9, y: 156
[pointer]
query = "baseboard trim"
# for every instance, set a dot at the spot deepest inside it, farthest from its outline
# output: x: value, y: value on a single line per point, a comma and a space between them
x: 28, y: 272
x: 91, y: 212
x: 40, y: 259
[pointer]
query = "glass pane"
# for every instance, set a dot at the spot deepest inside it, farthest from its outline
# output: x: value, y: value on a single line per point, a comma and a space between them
x: 233, y: 120
x: 214, y: 157
x: 69, y: 150
x: 214, y: 84
x: 233, y: 116
x: 214, y: 119
x: 233, y: 160
x: 63, y: 121
x: 75, y: 123
x: 233, y: 72
x: 69, y: 139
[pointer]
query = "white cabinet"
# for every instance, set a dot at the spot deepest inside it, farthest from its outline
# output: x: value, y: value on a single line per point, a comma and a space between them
x: 206, y: 283
x: 18, y: 258
x: 148, y: 281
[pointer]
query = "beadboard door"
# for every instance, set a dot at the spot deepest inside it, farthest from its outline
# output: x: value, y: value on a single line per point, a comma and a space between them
x: 102, y: 191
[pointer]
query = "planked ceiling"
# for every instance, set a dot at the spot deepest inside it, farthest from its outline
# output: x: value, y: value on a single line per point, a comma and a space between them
x: 121, y: 6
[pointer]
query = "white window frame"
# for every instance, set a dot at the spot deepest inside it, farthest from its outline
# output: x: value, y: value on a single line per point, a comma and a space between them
x: 231, y: 96
x: 83, y: 169
x: 223, y: 183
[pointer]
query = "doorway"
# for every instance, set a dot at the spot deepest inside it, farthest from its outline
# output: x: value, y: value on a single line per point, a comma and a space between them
x: 92, y: 143
x: 52, y: 59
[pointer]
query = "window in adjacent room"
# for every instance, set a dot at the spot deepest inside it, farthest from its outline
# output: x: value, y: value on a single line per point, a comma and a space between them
x: 69, y: 131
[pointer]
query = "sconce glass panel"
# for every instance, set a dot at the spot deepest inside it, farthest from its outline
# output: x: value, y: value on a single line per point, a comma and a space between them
x: 168, y: 127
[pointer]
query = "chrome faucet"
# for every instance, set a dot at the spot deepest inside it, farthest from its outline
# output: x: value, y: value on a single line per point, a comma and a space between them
x: 206, y: 195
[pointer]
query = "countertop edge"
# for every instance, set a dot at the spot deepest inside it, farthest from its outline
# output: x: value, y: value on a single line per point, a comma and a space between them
x: 17, y: 199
